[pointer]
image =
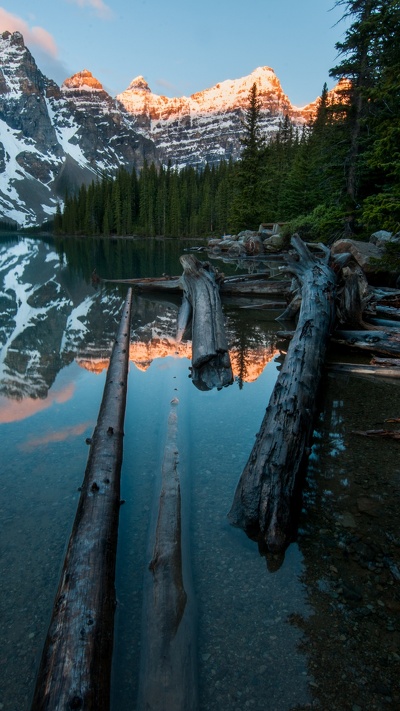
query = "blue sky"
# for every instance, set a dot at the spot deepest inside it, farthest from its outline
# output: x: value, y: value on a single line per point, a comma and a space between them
x: 181, y: 47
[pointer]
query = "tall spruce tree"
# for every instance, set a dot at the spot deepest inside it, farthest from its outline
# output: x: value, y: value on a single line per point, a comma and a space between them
x: 359, y: 67
x: 381, y: 208
x: 246, y: 209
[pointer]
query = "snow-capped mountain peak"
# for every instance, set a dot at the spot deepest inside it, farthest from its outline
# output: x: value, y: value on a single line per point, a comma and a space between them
x: 206, y: 126
x: 52, y: 139
x: 139, y: 84
x: 82, y: 80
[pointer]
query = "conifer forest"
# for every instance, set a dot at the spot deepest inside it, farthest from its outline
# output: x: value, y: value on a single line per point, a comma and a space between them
x: 339, y: 174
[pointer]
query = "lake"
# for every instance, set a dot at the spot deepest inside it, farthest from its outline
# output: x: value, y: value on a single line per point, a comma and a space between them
x: 320, y: 631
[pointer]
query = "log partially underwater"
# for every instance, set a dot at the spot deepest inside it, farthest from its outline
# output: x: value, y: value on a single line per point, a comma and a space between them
x: 263, y: 500
x: 75, y: 668
x: 168, y: 672
x: 211, y: 365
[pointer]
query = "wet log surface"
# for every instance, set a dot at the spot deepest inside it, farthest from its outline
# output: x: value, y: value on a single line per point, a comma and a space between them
x: 75, y: 667
x: 211, y: 366
x: 165, y: 283
x: 240, y: 285
x: 168, y: 673
x: 383, y: 342
x: 256, y: 287
x: 353, y: 298
x: 264, y: 497
x: 380, y: 371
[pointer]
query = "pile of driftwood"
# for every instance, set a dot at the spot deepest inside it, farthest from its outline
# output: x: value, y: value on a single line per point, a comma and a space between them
x: 330, y: 300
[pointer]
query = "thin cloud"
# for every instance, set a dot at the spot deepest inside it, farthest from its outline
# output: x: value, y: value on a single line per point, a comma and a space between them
x: 167, y: 85
x: 100, y: 8
x: 37, y: 36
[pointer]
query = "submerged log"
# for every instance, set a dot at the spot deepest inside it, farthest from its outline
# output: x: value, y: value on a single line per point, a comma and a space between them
x: 168, y: 675
x: 264, y: 497
x: 211, y: 366
x: 75, y: 668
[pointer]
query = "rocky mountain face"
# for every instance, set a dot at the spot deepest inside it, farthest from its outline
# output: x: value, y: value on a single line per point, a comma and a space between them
x: 55, y: 138
x: 206, y: 127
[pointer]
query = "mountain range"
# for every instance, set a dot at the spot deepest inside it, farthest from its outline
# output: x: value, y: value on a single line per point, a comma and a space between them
x: 52, y: 139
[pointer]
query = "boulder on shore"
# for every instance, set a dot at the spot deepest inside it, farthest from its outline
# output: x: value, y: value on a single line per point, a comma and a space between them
x: 362, y: 252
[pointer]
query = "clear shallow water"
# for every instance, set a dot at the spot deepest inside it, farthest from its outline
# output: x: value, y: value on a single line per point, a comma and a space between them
x: 265, y: 641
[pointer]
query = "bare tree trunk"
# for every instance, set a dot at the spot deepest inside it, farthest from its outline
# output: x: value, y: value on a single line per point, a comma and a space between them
x: 75, y: 667
x: 264, y: 496
x: 211, y: 366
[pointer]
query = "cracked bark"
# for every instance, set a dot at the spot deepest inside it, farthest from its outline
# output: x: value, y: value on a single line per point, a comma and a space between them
x: 265, y: 495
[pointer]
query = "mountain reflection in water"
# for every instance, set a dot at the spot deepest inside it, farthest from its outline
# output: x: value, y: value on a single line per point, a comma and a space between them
x: 50, y: 318
x: 323, y: 630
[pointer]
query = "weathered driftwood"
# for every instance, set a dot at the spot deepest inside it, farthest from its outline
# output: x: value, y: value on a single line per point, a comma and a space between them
x: 379, y: 324
x: 164, y: 283
x: 75, y: 667
x: 168, y: 675
x: 386, y: 295
x: 384, y: 342
x: 380, y: 371
x: 211, y: 366
x: 264, y: 497
x: 292, y: 309
x: 385, y: 311
x: 353, y: 298
x: 261, y: 305
x: 256, y: 287
x: 241, y: 285
x: 386, y: 434
x: 390, y: 362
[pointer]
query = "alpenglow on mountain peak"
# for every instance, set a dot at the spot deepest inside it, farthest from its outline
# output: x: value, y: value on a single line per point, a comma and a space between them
x: 206, y: 127
x: 139, y: 84
x: 83, y: 80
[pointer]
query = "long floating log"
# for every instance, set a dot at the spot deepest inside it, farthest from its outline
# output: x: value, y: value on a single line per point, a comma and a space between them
x: 168, y: 673
x: 75, y: 668
x: 379, y: 371
x: 384, y: 342
x: 263, y: 500
x: 241, y: 285
x: 211, y: 366
x: 256, y: 287
x: 164, y: 283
